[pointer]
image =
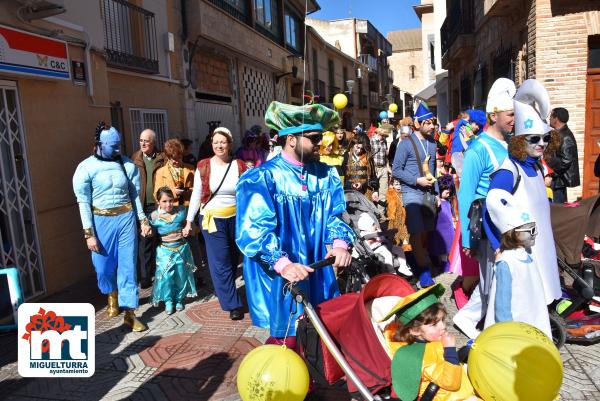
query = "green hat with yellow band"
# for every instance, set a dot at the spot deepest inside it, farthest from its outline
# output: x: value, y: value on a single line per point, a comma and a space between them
x: 408, y: 360
x: 414, y: 304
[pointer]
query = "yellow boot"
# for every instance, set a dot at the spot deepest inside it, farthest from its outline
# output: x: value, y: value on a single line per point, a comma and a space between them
x: 133, y: 322
x: 113, y: 304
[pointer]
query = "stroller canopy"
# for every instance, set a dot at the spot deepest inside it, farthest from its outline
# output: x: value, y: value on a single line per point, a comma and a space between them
x: 348, y: 322
x: 570, y: 223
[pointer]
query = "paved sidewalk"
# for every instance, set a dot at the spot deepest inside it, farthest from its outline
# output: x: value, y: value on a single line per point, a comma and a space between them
x: 195, y: 354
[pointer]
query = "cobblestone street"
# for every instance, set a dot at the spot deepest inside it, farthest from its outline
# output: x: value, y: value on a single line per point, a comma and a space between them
x: 195, y: 354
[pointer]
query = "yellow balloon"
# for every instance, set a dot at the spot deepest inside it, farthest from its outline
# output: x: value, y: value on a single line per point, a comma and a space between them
x: 340, y: 101
x: 393, y: 107
x: 272, y: 373
x: 514, y: 361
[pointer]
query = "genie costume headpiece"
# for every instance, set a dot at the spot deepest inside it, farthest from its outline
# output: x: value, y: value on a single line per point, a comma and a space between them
x: 288, y: 119
x: 108, y: 142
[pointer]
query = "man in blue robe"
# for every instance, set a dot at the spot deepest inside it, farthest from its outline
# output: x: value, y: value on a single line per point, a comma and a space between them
x: 289, y: 209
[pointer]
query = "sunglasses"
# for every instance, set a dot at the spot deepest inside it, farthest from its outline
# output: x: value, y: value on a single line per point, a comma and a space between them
x: 315, y: 139
x: 532, y: 230
x: 535, y: 139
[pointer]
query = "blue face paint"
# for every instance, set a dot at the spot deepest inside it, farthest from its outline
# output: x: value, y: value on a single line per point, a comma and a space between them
x: 110, y: 143
x: 109, y: 150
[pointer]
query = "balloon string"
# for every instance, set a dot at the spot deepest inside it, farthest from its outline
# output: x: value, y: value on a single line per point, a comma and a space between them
x: 287, y: 287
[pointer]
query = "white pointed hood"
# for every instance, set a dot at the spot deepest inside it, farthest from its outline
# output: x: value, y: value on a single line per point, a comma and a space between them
x: 532, y: 108
x: 504, y: 211
x: 500, y: 96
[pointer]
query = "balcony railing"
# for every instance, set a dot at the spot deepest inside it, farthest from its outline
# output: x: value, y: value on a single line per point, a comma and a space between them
x: 130, y: 36
x: 370, y: 61
x: 459, y: 21
x: 236, y: 8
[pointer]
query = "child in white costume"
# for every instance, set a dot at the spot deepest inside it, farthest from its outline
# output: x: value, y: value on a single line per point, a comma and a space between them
x: 393, y: 256
x: 516, y: 293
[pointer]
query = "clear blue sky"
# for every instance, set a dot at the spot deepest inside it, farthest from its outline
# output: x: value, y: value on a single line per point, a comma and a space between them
x: 386, y: 15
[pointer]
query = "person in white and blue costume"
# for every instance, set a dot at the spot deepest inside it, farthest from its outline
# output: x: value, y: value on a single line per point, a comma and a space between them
x: 521, y: 174
x: 481, y: 159
x: 517, y: 290
x: 106, y: 185
x: 419, y: 219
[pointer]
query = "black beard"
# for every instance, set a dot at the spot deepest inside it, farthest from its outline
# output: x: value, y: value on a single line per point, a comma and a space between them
x: 306, y: 157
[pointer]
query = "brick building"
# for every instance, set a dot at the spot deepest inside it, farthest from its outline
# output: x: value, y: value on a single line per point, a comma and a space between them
x: 554, y: 41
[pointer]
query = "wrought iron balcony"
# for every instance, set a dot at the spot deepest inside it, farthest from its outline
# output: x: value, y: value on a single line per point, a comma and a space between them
x: 458, y: 22
x: 130, y: 36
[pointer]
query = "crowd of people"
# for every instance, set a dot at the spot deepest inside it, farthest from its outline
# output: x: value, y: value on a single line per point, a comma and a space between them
x: 471, y: 198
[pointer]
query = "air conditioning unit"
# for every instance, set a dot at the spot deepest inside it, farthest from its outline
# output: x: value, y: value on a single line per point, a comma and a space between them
x: 37, y: 9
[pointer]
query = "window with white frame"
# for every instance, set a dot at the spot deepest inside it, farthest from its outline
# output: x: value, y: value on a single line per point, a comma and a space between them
x: 154, y: 119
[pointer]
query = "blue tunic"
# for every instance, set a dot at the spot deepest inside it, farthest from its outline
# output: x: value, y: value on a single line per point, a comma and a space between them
x: 174, y: 278
x: 287, y: 210
x: 482, y: 158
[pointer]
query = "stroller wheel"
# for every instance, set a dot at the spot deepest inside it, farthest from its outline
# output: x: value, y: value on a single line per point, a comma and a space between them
x: 557, y: 326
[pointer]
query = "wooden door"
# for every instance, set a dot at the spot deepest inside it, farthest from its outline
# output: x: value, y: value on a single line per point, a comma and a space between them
x: 592, y: 133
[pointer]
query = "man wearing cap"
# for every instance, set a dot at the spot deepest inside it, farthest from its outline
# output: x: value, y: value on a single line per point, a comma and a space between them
x: 481, y: 159
x: 106, y: 186
x: 414, y: 156
x: 290, y: 208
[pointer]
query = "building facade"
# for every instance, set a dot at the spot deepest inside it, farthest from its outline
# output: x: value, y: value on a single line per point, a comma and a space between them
x: 554, y: 41
x: 66, y: 65
x: 406, y: 65
x: 359, y: 39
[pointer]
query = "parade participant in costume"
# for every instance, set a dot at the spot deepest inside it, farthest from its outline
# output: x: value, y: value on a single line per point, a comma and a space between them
x: 290, y: 209
x: 423, y: 350
x: 440, y: 239
x: 174, y: 280
x: 331, y: 154
x: 107, y: 185
x: 414, y: 165
x: 516, y: 293
x: 359, y: 170
x: 522, y: 175
x: 481, y: 159
x: 214, y: 196
x: 464, y: 133
x: 397, y: 215
x: 379, y: 148
x: 252, y: 151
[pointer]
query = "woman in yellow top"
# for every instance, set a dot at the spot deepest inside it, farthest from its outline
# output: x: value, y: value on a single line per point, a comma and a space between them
x: 331, y: 154
x: 423, y: 350
x: 175, y: 174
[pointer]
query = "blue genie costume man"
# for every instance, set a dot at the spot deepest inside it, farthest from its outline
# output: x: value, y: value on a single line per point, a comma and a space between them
x: 107, y: 185
x: 289, y: 209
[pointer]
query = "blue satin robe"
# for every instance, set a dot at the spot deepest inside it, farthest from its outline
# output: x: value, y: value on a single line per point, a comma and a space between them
x: 279, y: 213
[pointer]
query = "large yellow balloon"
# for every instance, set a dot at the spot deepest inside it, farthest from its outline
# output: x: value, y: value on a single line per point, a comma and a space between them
x: 272, y: 373
x: 393, y: 107
x: 340, y: 101
x: 514, y: 361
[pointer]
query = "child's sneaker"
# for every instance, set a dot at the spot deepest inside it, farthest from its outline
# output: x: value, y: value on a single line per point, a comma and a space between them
x: 169, y: 308
x: 178, y: 306
x: 404, y: 270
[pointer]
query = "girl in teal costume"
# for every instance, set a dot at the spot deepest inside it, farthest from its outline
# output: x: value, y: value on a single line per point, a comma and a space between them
x: 174, y: 278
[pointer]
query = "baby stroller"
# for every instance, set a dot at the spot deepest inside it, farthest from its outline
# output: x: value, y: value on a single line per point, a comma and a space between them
x: 581, y: 276
x: 365, y: 262
x: 341, y: 342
